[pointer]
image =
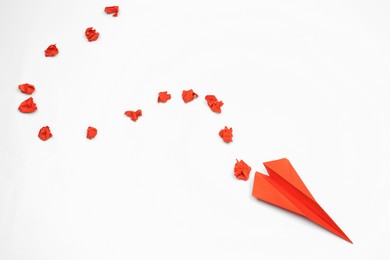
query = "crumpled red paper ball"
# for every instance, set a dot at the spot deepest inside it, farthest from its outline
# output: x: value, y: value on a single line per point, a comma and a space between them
x: 134, y: 114
x: 44, y: 133
x: 242, y: 170
x: 112, y: 10
x: 26, y: 88
x: 28, y: 106
x: 188, y: 95
x: 91, y: 132
x: 163, y: 97
x: 213, y: 103
x: 51, y: 51
x: 91, y: 34
x: 226, y: 134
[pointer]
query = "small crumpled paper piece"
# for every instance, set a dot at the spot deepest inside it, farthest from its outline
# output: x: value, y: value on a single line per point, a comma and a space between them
x: 188, y: 95
x: 226, y: 134
x: 163, y: 97
x: 242, y: 170
x: 28, y: 106
x: 112, y: 10
x: 26, y: 88
x: 213, y: 103
x: 51, y: 51
x: 91, y: 34
x: 91, y: 132
x: 134, y: 114
x: 44, y: 133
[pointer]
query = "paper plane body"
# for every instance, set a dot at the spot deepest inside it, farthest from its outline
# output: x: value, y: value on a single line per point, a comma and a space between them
x: 283, y: 188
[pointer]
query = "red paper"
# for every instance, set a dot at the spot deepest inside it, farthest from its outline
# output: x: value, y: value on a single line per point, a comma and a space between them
x: 242, y: 170
x: 112, y: 10
x: 91, y: 132
x: 226, y: 134
x: 134, y: 114
x: 28, y: 106
x: 51, y: 51
x: 91, y: 34
x: 163, y: 97
x: 213, y: 103
x: 283, y: 187
x: 44, y: 133
x: 188, y: 95
x: 27, y: 88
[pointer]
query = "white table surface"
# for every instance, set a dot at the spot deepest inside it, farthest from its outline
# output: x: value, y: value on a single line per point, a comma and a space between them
x: 309, y: 81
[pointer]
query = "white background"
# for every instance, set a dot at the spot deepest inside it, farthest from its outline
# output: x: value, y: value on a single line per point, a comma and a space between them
x: 306, y: 80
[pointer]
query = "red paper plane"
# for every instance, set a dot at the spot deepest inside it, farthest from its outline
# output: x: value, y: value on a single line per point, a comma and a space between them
x: 283, y: 188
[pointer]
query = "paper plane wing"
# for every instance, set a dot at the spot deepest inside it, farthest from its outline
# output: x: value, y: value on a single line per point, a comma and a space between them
x: 284, y: 188
x: 284, y: 169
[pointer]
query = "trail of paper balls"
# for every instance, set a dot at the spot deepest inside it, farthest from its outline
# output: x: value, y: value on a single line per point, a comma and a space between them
x: 241, y: 169
x: 29, y: 106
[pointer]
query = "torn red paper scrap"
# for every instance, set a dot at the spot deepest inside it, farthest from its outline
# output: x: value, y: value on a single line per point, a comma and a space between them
x: 44, y: 133
x: 51, y: 51
x: 284, y: 188
x: 91, y: 132
x: 27, y: 88
x: 226, y: 134
x: 91, y: 34
x: 134, y: 114
x: 112, y: 10
x: 28, y: 106
x: 188, y: 95
x: 163, y: 97
x: 242, y: 170
x: 213, y: 103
